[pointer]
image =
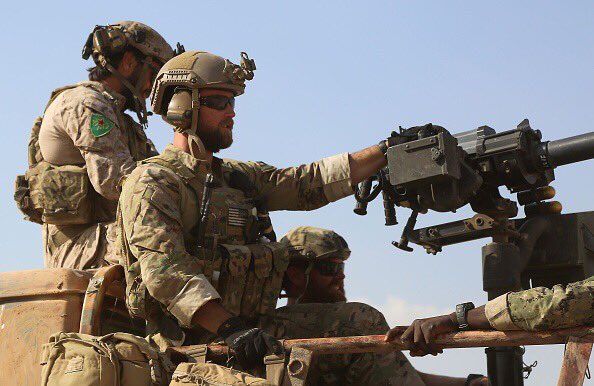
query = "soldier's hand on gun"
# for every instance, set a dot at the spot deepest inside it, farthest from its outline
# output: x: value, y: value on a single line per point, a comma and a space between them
x: 420, y: 335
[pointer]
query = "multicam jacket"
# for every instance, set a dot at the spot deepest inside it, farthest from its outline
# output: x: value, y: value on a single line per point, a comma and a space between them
x: 543, y: 308
x: 160, y: 205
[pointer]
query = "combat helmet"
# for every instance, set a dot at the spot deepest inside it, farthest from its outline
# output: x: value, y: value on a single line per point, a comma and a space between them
x: 176, y: 91
x: 104, y: 42
x: 309, y: 243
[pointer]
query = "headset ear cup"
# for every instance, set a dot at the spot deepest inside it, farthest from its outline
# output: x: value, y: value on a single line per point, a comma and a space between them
x: 179, y: 110
x: 108, y: 41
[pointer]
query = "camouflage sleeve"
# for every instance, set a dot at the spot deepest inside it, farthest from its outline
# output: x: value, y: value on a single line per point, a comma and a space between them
x: 153, y: 227
x: 304, y: 187
x: 543, y: 308
x: 92, y: 124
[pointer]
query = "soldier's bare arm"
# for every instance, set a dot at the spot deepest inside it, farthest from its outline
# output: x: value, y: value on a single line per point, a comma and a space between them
x: 365, y: 163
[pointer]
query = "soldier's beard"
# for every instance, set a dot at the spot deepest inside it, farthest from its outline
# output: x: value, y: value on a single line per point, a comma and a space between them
x: 326, y: 294
x: 217, y: 138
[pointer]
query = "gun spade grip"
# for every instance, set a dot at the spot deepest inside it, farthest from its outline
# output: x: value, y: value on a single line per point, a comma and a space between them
x: 364, y: 189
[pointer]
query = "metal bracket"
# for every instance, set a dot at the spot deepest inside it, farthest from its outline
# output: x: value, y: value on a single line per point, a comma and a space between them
x: 298, y: 366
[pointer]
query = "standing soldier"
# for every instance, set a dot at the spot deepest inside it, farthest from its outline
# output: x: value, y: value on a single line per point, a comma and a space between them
x: 191, y: 223
x: 85, y: 143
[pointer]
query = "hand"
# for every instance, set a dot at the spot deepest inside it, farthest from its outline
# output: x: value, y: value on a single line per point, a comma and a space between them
x: 250, y: 346
x: 419, y: 336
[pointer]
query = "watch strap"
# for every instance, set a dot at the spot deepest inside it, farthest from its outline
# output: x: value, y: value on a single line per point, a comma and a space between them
x: 461, y: 312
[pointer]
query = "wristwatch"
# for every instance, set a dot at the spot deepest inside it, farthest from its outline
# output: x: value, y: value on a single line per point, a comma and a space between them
x: 461, y: 311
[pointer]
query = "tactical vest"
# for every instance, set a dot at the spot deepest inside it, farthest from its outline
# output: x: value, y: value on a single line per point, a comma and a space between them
x: 64, y: 195
x: 247, y: 273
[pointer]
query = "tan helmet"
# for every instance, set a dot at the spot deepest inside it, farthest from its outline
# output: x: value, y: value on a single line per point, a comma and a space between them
x: 307, y: 243
x: 176, y: 91
x: 104, y: 42
x: 146, y: 40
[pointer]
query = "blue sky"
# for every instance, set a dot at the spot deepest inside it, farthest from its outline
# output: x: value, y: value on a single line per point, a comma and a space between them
x: 337, y: 76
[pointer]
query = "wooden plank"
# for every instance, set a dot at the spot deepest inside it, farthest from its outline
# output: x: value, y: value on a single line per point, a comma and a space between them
x: 575, y: 362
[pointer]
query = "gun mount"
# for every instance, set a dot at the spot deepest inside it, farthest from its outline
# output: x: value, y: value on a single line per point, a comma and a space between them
x: 431, y: 169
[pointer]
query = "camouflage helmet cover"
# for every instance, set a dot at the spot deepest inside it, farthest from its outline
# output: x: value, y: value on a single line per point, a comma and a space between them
x: 311, y: 243
x: 195, y: 70
x: 146, y: 40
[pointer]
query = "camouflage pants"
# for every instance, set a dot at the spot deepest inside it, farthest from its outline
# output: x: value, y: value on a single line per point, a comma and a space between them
x: 343, y: 319
x: 79, y: 246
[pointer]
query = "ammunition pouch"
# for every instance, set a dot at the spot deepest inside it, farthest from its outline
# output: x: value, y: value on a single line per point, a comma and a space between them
x: 248, y: 277
x: 113, y: 359
x: 57, y: 195
x: 22, y: 196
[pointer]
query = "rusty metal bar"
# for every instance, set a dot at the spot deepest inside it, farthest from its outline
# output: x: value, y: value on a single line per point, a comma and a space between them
x: 575, y: 362
x: 375, y: 343
x: 90, y: 318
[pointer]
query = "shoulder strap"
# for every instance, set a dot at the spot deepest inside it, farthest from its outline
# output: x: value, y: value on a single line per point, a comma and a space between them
x: 190, y: 179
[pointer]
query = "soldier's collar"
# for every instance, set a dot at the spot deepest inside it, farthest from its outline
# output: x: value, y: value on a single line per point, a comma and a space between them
x: 108, y: 92
x: 196, y: 166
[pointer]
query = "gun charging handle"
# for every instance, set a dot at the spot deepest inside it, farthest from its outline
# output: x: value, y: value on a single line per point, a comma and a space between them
x: 408, y: 228
x: 363, y: 191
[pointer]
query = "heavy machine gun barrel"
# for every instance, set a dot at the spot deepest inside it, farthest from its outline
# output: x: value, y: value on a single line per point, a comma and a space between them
x: 569, y: 150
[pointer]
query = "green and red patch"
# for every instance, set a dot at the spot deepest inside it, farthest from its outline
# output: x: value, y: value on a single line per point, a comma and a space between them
x: 100, y: 125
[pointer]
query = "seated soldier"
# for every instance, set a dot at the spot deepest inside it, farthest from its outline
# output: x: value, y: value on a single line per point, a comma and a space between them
x: 316, y: 275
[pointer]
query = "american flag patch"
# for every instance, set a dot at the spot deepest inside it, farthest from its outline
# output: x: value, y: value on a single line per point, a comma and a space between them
x: 238, y: 217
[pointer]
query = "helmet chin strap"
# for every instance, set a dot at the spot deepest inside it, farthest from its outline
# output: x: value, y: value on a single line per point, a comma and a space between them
x: 139, y: 101
x: 307, y: 272
x: 193, y: 132
x: 195, y: 144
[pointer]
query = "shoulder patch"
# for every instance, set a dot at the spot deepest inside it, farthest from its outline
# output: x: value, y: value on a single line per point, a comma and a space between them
x: 100, y: 125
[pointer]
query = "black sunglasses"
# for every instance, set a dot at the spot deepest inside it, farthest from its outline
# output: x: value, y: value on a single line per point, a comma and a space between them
x: 329, y: 268
x: 217, y: 102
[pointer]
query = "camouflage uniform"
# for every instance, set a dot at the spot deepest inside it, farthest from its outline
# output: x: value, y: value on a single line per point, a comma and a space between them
x: 159, y: 217
x: 84, y: 145
x: 66, y: 138
x: 543, y: 308
x: 310, y: 244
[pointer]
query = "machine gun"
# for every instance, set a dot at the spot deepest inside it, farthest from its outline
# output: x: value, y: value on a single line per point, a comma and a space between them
x: 431, y: 169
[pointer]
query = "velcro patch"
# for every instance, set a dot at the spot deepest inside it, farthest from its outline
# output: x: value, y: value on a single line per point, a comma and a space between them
x: 100, y: 125
x: 75, y: 364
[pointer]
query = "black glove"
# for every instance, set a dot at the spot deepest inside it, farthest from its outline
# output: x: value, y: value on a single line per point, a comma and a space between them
x: 249, y: 345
